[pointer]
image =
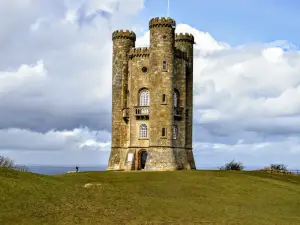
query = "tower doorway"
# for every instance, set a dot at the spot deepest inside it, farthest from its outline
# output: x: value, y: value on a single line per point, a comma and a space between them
x: 142, y: 158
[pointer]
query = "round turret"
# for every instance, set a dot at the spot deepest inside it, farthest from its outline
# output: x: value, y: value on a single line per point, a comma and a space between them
x: 124, y: 34
x: 162, y: 34
x: 181, y: 37
x: 162, y: 22
x: 185, y: 42
x: 123, y: 41
x: 161, y: 68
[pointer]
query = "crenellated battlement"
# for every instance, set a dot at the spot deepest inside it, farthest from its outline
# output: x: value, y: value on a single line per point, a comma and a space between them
x: 185, y: 37
x: 139, y: 52
x: 180, y: 54
x: 162, y: 22
x: 123, y: 34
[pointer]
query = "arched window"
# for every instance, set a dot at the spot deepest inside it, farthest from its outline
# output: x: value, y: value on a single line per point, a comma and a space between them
x: 164, y: 98
x: 164, y: 65
x: 175, y: 131
x: 143, y: 131
x: 186, y: 70
x: 144, y: 97
x: 163, y: 132
x: 176, y: 98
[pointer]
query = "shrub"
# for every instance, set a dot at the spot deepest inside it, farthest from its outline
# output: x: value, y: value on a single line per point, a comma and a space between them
x: 278, y: 167
x: 233, y: 166
x: 8, y: 163
x: 270, y: 170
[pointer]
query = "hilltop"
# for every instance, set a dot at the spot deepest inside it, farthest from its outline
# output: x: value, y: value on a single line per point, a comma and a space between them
x: 179, y: 197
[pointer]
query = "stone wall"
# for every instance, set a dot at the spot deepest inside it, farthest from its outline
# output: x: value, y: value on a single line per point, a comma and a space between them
x: 160, y: 159
x: 137, y: 81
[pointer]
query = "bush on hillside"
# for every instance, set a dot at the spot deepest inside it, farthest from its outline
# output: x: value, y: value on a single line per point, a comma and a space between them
x: 270, y: 170
x: 278, y: 167
x: 8, y: 163
x: 233, y: 166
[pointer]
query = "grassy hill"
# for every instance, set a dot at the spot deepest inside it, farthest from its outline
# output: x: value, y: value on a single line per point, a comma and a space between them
x: 180, y: 197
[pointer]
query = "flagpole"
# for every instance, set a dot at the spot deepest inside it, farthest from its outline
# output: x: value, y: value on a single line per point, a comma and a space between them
x: 168, y: 8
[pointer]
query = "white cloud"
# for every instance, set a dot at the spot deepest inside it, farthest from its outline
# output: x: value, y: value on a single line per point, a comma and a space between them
x: 61, y: 77
x: 55, y: 77
x: 12, y: 80
x: 80, y: 146
x: 205, y: 43
x: 245, y: 82
x: 273, y: 55
x: 77, y: 139
x: 255, y: 155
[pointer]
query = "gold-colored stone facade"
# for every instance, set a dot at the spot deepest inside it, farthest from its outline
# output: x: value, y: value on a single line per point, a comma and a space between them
x: 162, y: 69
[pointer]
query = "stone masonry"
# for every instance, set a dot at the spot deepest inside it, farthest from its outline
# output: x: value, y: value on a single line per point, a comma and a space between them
x: 152, y: 100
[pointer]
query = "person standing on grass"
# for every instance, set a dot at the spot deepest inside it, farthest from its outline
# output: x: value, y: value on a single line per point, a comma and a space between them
x: 76, y: 168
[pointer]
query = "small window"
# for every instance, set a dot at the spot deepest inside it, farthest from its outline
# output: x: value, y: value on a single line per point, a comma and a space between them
x: 164, y: 98
x: 163, y: 132
x: 164, y: 65
x: 143, y: 131
x: 176, y: 99
x: 175, y: 132
x: 144, y: 69
x: 186, y: 71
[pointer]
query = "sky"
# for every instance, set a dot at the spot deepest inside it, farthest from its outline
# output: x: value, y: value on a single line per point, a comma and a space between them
x: 55, y: 78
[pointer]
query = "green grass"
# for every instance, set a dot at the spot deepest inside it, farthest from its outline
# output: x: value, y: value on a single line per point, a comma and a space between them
x: 180, y: 197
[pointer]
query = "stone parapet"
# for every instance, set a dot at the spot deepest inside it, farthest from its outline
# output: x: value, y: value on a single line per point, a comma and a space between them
x: 184, y: 37
x: 139, y: 52
x: 162, y: 22
x: 123, y: 34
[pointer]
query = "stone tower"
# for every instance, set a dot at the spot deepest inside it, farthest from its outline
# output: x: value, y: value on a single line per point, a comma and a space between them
x: 152, y: 100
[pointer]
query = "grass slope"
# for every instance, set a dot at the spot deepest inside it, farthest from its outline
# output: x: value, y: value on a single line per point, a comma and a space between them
x: 180, y: 197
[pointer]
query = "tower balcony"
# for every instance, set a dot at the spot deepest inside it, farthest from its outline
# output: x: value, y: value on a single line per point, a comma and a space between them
x: 142, y: 112
x: 178, y: 112
x: 125, y: 113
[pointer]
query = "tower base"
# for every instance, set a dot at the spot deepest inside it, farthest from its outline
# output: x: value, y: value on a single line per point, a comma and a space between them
x: 151, y: 159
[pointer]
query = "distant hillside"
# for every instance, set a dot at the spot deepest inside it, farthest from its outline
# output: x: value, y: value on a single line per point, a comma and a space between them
x: 180, y: 197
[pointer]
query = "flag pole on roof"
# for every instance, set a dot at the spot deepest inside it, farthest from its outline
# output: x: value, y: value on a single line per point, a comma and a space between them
x: 168, y: 8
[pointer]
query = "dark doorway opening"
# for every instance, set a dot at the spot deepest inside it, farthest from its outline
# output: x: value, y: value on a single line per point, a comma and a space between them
x: 142, y: 159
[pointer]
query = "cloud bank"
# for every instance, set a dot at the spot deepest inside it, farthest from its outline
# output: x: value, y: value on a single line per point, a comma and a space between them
x: 55, y: 88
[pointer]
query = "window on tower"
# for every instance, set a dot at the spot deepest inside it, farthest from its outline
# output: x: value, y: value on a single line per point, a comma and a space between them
x: 164, y: 66
x: 144, y: 97
x: 143, y: 131
x: 164, y: 98
x: 144, y: 69
x: 176, y: 98
x: 175, y: 131
x: 163, y: 132
x: 186, y: 70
